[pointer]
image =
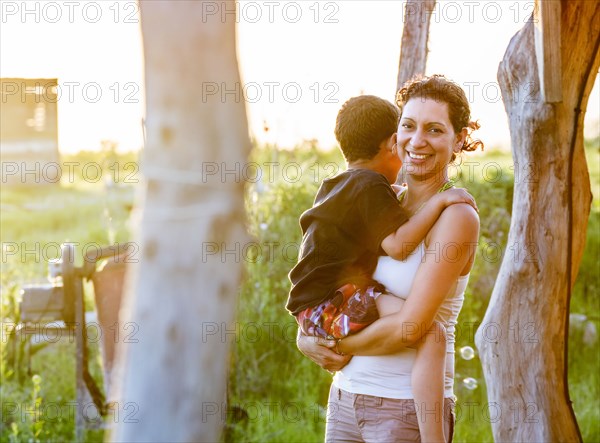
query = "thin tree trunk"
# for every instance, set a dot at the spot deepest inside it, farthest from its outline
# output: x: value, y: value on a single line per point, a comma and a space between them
x: 523, y: 337
x: 172, y: 370
x: 413, y: 48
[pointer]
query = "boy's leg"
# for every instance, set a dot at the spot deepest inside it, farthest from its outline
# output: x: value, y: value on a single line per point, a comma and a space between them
x: 427, y: 381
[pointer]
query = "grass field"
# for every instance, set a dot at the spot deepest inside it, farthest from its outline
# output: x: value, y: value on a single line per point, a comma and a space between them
x: 274, y: 393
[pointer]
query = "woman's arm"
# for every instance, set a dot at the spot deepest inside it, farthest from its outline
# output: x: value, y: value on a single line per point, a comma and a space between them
x: 315, y: 349
x: 451, y: 249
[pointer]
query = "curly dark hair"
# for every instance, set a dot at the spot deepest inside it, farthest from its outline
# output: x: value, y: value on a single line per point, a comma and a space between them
x: 362, y: 123
x: 439, y: 88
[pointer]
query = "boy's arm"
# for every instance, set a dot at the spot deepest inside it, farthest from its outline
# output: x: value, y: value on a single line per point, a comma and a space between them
x: 401, y: 243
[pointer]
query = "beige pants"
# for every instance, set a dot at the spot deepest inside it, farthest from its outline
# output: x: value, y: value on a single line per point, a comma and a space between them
x: 365, y: 418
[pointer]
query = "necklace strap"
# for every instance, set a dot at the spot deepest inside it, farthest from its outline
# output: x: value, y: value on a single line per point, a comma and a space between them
x: 447, y: 185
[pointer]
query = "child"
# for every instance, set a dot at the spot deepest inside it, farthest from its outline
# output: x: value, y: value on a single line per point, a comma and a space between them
x: 356, y: 217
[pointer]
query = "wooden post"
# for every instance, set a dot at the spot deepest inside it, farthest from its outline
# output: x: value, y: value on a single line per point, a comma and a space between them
x: 72, y: 295
x: 523, y: 337
x: 180, y: 298
x: 108, y: 291
x: 413, y: 48
x: 547, y: 48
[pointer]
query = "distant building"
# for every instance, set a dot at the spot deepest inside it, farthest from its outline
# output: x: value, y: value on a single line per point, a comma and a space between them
x: 29, y: 131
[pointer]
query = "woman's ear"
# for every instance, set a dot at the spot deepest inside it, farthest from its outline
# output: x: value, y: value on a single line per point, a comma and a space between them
x: 459, y: 141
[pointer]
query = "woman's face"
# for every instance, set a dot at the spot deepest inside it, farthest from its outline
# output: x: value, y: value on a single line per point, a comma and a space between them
x: 426, y: 138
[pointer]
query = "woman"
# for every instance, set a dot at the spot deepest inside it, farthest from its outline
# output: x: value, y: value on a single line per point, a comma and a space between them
x: 370, y: 397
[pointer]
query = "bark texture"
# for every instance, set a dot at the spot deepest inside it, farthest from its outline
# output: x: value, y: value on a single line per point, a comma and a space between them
x: 180, y: 297
x: 523, y: 338
x: 413, y: 48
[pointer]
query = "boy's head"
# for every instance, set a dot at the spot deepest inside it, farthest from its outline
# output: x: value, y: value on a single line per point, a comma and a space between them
x: 362, y: 123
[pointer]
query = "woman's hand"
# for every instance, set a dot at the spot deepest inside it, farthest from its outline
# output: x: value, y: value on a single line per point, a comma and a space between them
x: 318, y: 350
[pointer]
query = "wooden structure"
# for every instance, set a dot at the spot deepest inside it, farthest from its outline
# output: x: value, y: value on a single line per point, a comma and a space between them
x: 29, y: 136
x: 59, y: 307
x: 108, y: 293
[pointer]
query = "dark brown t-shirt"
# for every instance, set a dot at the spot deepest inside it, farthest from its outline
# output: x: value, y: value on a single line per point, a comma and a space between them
x: 342, y: 233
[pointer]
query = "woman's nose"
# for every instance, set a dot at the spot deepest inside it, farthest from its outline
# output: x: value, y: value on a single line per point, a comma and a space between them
x: 418, y: 139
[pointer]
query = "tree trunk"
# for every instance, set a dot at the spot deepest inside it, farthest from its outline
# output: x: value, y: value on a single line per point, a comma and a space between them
x: 523, y: 338
x: 172, y: 359
x: 413, y: 49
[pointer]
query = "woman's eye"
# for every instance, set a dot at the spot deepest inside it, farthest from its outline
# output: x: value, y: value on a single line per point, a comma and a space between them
x: 406, y: 125
x: 435, y: 130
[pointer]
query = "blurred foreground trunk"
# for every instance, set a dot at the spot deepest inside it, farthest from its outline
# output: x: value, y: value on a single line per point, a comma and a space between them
x: 171, y: 375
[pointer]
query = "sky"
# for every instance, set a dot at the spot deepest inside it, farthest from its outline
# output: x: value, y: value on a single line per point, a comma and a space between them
x: 299, y: 62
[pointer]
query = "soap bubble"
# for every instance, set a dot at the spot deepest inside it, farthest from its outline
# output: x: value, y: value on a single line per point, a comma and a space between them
x: 590, y: 335
x: 467, y: 352
x: 470, y: 383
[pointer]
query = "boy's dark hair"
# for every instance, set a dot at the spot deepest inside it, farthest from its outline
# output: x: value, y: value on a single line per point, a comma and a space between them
x: 362, y: 123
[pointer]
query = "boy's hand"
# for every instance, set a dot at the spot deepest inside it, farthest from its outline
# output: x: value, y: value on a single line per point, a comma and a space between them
x: 457, y: 195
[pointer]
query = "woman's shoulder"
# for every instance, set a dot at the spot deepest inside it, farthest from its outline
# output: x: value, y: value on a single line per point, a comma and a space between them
x: 460, y: 212
x: 457, y: 222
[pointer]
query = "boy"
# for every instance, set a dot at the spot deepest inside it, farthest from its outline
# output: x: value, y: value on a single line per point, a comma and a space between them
x: 355, y: 218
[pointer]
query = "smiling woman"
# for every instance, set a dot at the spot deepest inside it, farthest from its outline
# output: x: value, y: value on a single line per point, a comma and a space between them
x: 426, y: 128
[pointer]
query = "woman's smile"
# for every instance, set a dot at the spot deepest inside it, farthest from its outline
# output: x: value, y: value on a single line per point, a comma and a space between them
x: 417, y: 157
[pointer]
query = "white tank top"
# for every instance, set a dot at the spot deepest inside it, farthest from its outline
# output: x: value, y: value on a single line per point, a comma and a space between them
x: 389, y: 375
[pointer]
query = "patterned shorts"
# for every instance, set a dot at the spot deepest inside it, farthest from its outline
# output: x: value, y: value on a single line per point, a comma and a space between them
x: 350, y: 310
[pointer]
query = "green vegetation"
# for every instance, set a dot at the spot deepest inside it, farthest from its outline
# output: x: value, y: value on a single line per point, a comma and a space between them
x: 275, y: 394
